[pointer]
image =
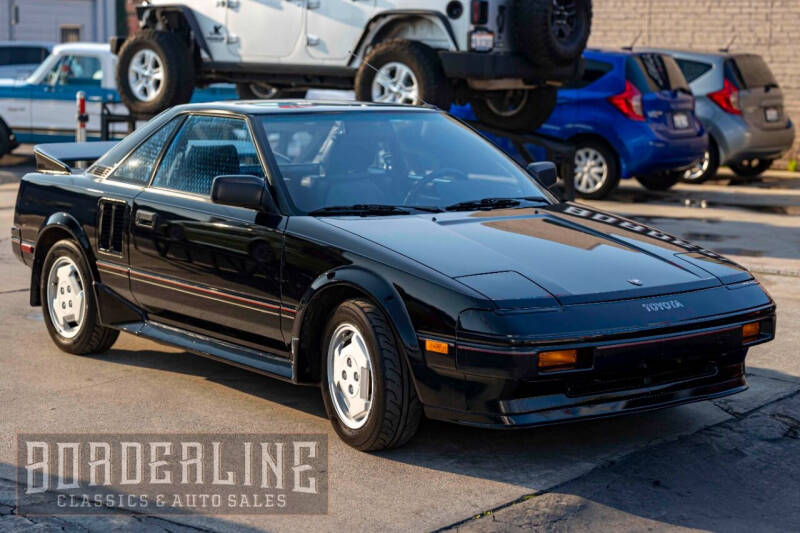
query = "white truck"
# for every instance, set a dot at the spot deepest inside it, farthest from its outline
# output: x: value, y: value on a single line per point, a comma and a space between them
x: 506, y: 57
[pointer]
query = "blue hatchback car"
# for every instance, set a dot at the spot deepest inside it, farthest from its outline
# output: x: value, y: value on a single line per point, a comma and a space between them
x: 631, y: 114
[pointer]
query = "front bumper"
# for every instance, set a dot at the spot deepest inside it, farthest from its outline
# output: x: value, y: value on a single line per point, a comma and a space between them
x: 492, y: 66
x: 503, y: 387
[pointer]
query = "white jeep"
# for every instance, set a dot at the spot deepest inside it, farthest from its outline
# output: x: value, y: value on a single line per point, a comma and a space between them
x: 506, y: 57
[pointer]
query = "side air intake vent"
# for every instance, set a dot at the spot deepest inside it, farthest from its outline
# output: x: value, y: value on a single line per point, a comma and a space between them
x: 111, y: 226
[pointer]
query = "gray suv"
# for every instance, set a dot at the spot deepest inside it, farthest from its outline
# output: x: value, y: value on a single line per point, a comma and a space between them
x: 741, y: 105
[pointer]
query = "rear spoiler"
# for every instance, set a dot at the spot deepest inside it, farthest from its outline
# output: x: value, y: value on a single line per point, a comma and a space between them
x: 60, y: 158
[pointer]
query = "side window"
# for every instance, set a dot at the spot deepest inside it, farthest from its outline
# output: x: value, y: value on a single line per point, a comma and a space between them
x: 692, y: 69
x: 594, y: 71
x: 76, y: 70
x: 204, y: 148
x: 137, y: 167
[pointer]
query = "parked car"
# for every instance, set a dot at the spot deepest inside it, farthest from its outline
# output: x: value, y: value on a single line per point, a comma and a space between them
x: 42, y: 108
x: 387, y: 254
x: 741, y: 105
x: 504, y: 56
x: 630, y: 115
x: 18, y: 59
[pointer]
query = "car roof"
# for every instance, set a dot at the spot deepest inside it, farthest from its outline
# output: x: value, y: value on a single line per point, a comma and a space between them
x: 82, y: 47
x: 265, y: 107
x: 706, y: 54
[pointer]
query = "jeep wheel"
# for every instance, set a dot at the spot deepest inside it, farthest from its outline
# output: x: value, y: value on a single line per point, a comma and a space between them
x: 265, y: 91
x: 403, y: 72
x: 366, y: 385
x: 68, y: 304
x: 516, y: 110
x: 154, y: 72
x: 551, y: 32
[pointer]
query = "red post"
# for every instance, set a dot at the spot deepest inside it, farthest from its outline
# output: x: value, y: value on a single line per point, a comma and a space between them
x: 83, y: 118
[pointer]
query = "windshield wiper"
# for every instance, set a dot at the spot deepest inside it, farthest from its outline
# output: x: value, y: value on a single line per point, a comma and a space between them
x: 361, y: 209
x: 491, y: 203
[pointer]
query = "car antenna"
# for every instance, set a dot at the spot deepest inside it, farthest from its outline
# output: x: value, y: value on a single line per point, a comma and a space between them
x: 727, y: 47
x: 354, y: 56
x: 633, y: 42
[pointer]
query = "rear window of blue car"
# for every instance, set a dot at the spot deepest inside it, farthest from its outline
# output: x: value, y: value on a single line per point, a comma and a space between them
x: 749, y: 71
x: 655, y: 72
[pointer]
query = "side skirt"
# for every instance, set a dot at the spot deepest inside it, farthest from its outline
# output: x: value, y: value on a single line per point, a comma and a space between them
x: 256, y: 361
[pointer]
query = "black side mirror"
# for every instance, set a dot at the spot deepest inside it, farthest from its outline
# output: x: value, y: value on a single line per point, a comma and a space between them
x: 243, y: 191
x: 544, y: 172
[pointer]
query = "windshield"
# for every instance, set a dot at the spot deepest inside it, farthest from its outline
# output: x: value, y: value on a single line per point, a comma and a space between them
x: 752, y: 72
x: 403, y: 159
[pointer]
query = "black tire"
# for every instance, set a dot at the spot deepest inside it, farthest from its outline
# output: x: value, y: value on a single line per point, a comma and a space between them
x: 396, y: 411
x: 434, y: 88
x: 536, y: 32
x: 6, y: 140
x: 92, y: 337
x: 522, y: 110
x: 659, y: 182
x: 246, y: 91
x: 612, y: 176
x: 710, y: 172
x: 750, y: 168
x: 177, y: 85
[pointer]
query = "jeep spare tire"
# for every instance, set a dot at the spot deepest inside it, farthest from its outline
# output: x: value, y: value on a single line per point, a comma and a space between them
x: 154, y: 72
x: 551, y: 33
x: 522, y: 110
x: 403, y: 72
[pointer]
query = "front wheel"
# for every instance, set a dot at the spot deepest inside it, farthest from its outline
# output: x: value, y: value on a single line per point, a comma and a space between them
x: 68, y: 304
x: 522, y: 110
x: 366, y: 386
x: 659, y: 182
x: 154, y: 72
x: 750, y: 168
x: 403, y: 72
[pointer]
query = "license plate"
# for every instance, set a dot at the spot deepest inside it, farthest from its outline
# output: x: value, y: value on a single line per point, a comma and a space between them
x: 680, y: 120
x: 772, y: 114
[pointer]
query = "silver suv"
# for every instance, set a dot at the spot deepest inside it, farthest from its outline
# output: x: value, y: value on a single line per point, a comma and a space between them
x: 506, y: 57
x: 740, y: 103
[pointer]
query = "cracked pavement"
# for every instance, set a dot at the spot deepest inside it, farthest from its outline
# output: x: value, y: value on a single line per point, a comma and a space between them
x: 730, y: 464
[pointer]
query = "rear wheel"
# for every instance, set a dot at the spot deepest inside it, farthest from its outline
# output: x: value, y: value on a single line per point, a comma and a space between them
x: 750, y: 168
x: 154, y: 72
x: 516, y: 110
x: 659, y: 182
x: 68, y: 304
x: 596, y: 170
x: 265, y: 91
x: 705, y: 169
x: 366, y: 386
x: 403, y: 72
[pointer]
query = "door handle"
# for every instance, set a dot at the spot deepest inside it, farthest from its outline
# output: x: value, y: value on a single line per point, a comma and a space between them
x: 145, y: 219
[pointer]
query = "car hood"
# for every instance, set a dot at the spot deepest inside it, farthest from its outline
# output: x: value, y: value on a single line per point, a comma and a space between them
x: 576, y: 254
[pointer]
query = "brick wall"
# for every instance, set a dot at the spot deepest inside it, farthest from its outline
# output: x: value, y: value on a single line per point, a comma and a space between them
x: 766, y: 27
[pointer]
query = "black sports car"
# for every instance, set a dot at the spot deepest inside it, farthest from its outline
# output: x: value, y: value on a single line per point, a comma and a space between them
x: 390, y: 255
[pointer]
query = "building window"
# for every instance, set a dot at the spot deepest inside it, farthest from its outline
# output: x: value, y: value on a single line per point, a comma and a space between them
x: 70, y: 33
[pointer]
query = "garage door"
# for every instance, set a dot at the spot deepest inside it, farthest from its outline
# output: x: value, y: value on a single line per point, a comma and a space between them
x: 55, y: 20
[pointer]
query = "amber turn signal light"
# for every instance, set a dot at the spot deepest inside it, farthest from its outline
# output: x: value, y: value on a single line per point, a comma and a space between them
x: 751, y: 331
x: 436, y: 346
x: 558, y: 360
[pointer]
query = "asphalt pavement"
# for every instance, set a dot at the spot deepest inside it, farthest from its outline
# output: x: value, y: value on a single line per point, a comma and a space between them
x: 731, y: 464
